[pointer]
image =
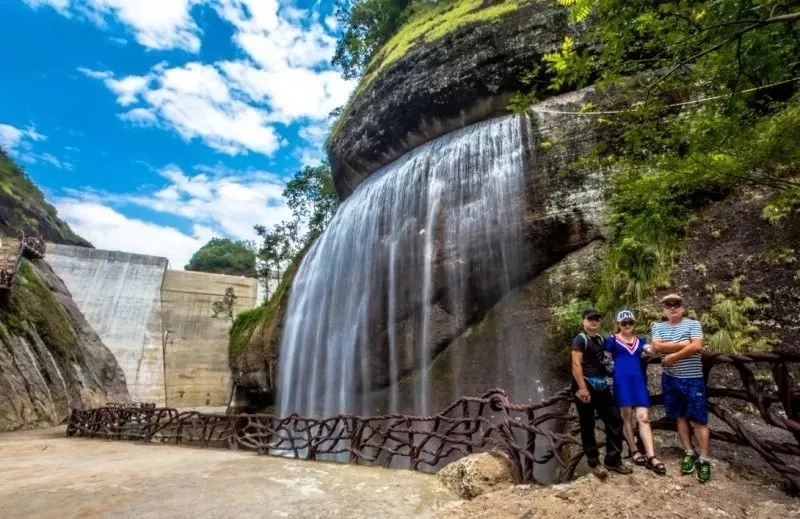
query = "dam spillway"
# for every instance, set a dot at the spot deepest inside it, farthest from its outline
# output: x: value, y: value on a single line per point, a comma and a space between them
x: 157, y: 322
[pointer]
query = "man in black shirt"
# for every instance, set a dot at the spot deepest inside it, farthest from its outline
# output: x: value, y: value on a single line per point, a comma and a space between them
x: 593, y: 394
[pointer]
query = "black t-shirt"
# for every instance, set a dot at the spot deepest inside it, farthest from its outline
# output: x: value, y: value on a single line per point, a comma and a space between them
x: 593, y: 354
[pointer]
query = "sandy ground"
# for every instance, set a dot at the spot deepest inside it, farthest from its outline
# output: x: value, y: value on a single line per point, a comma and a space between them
x: 44, y: 474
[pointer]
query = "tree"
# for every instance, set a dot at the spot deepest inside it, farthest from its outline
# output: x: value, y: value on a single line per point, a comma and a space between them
x: 224, y: 256
x: 311, y: 196
x: 705, y: 98
x: 224, y: 308
x: 367, y: 25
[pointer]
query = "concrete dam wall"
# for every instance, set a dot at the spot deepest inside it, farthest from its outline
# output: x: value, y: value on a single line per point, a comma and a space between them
x: 157, y: 322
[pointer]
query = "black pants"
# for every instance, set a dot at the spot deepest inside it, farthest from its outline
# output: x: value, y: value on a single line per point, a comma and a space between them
x: 602, y: 402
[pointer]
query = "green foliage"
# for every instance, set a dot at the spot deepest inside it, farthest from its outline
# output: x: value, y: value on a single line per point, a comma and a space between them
x: 521, y: 101
x: 727, y: 326
x: 434, y: 23
x: 224, y: 256
x: 223, y: 308
x: 34, y: 309
x: 569, y: 66
x: 580, y: 9
x: 713, y: 105
x: 248, y: 321
x: 243, y: 327
x: 367, y: 25
x: 23, y: 206
x: 424, y: 21
x: 313, y: 200
x: 565, y: 319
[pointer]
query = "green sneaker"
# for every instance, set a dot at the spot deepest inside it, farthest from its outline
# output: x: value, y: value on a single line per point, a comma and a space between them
x: 703, y: 473
x: 688, y: 461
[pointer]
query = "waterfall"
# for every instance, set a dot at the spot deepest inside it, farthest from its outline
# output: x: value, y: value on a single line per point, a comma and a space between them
x: 407, y: 261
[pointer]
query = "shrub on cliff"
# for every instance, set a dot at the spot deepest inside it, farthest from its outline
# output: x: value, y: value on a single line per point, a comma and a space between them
x: 715, y: 105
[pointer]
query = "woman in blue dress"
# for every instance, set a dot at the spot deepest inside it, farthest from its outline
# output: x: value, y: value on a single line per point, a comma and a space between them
x: 630, y: 388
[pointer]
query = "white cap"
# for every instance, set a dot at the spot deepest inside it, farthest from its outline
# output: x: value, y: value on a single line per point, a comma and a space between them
x: 625, y: 314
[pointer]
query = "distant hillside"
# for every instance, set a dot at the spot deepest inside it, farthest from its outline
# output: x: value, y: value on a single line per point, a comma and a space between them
x: 23, y: 207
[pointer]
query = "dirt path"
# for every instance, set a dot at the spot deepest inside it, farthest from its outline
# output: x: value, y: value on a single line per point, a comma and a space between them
x: 44, y: 474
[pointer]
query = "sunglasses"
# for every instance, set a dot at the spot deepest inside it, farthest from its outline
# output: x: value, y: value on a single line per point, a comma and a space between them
x: 593, y: 318
x: 672, y: 305
x: 627, y: 323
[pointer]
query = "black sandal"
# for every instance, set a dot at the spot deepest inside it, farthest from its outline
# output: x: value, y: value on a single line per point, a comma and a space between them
x: 640, y: 460
x: 658, y: 467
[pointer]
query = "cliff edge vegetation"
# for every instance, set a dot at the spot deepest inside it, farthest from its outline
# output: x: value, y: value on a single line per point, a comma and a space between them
x: 23, y: 207
x: 706, y: 107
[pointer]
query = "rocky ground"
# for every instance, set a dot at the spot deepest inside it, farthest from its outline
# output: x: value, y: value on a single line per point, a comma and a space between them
x: 742, y: 486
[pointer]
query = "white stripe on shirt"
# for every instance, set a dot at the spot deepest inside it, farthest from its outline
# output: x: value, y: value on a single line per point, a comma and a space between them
x: 691, y: 366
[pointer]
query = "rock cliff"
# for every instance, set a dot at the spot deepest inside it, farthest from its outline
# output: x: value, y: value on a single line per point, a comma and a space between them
x: 441, y: 85
x: 24, y: 208
x: 50, y: 358
x: 435, y: 88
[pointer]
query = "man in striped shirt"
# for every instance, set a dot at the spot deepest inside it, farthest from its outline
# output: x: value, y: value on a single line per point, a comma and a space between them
x: 680, y: 340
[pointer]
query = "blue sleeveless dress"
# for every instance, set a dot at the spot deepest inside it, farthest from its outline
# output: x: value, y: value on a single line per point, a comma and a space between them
x: 630, y: 383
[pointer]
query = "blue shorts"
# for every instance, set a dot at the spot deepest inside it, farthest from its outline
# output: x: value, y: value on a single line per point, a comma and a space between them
x: 630, y: 390
x: 685, y: 398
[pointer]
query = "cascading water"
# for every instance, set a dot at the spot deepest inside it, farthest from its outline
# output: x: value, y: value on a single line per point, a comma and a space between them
x: 411, y: 252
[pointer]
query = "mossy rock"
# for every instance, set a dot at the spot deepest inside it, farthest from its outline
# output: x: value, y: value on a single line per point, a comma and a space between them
x: 32, y: 308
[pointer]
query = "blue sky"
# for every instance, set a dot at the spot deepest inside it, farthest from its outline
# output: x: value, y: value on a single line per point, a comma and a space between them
x: 154, y: 125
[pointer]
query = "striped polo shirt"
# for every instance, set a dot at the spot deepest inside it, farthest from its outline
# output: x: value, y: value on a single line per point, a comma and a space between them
x: 692, y: 366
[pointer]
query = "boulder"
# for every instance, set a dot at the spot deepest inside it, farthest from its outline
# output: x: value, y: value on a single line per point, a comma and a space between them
x: 439, y: 86
x: 477, y: 474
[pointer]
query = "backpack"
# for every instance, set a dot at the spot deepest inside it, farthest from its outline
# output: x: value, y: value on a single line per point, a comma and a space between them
x: 608, y: 362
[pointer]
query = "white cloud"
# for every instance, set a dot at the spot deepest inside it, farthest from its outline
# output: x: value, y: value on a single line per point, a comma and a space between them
x: 19, y: 144
x: 292, y: 93
x: 51, y: 159
x: 196, y: 102
x: 61, y: 6
x: 314, y: 135
x: 213, y: 200
x: 156, y: 24
x: 233, y: 105
x: 107, y: 228
x: 17, y: 141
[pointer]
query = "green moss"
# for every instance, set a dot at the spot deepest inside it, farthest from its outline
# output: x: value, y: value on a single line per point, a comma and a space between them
x: 32, y: 308
x: 426, y: 27
x: 243, y: 327
x: 432, y: 25
x: 247, y: 322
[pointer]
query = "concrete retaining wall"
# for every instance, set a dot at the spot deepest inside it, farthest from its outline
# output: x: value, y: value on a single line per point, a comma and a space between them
x: 120, y: 295
x: 156, y: 321
x: 197, y: 344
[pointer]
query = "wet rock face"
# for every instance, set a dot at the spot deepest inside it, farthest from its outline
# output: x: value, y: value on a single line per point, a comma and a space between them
x: 50, y: 358
x: 462, y: 78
